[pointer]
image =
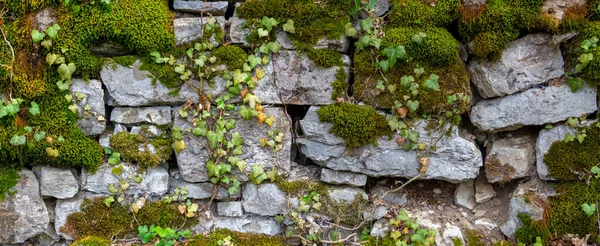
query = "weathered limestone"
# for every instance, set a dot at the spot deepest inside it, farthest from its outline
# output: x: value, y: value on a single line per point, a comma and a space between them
x: 393, y: 198
x: 152, y: 115
x: 341, y: 178
x: 456, y: 159
x: 249, y: 224
x: 264, y: 199
x: 191, y: 161
x: 237, y: 32
x: 522, y: 202
x: 340, y: 45
x: 346, y: 194
x: 465, y: 195
x: 557, y: 8
x: 200, y: 6
x: 91, y: 97
x: 484, y: 191
x: 451, y: 234
x: 202, y: 190
x: 155, y: 181
x: 190, y: 29
x: 230, y: 209
x: 298, y: 80
x: 62, y: 211
x: 543, y: 144
x: 24, y: 214
x: 510, y: 158
x: 525, y: 63
x: 533, y: 107
x: 60, y: 183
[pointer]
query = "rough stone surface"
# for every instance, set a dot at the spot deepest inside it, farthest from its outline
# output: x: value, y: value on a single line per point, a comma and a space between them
x: 155, y: 181
x: 109, y: 49
x: 510, y: 158
x: 533, y: 107
x: 191, y: 161
x: 340, y: 177
x: 543, y: 144
x: 520, y: 204
x: 380, y: 228
x: 202, y: 190
x: 557, y: 8
x: 486, y: 223
x: 93, y: 121
x: 153, y: 115
x: 465, y: 195
x: 340, y: 45
x: 60, y: 183
x: 451, y: 233
x: 231, y: 209
x: 24, y: 214
x: 456, y: 159
x: 62, y: 211
x: 264, y: 199
x: 237, y: 33
x: 526, y: 62
x: 200, y: 6
x: 381, y: 7
x: 484, y: 191
x: 378, y: 213
x: 249, y: 224
x: 190, y: 29
x: 393, y: 198
x: 45, y: 18
x: 345, y: 194
x: 298, y: 80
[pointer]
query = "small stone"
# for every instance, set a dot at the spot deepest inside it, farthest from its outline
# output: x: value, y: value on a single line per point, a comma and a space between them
x: 345, y: 194
x: 393, y: 198
x: 60, y: 183
x: 437, y: 191
x: 202, y: 190
x: 379, y: 213
x: 231, y: 209
x: 45, y: 18
x: 465, y: 195
x: 264, y: 199
x: 484, y: 191
x: 189, y: 29
x: 237, y: 33
x: 249, y: 224
x: 92, y: 122
x: 63, y: 209
x: 521, y: 203
x: 198, y: 7
x: 380, y: 228
x: 557, y: 8
x: 510, y: 158
x: 451, y: 233
x: 486, y: 223
x: 152, y: 115
x: 119, y: 128
x: 341, y: 178
x: 155, y: 181
x: 480, y: 213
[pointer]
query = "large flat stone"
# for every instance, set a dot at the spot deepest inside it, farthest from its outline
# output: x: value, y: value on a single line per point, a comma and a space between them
x: 200, y: 6
x: 190, y: 29
x: 60, y: 183
x: 456, y: 159
x: 340, y: 45
x: 264, y: 199
x: 152, y: 115
x: 533, y: 107
x: 510, y: 158
x: 92, y: 122
x: 24, y: 214
x: 192, y: 159
x: 155, y: 181
x: 249, y: 224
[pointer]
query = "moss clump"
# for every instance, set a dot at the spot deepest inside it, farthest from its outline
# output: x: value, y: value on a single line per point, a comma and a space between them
x: 232, y: 56
x: 564, y: 160
x: 358, y: 125
x: 566, y: 216
x: 324, y: 57
x: 422, y: 13
x: 340, y: 84
x: 96, y: 219
x: 530, y: 230
x: 312, y: 20
x: 473, y: 239
x: 237, y: 238
x: 129, y: 146
x: 139, y: 25
x: 497, y: 23
x: 438, y: 48
x: 8, y: 179
x: 92, y: 241
x: 452, y: 80
x: 23, y: 6
x: 163, y: 73
x: 457, y: 242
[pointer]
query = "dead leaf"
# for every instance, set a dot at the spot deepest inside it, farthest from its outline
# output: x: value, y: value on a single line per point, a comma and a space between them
x: 402, y: 111
x: 261, y: 117
x: 258, y: 108
x: 243, y: 93
x: 182, y: 209
x: 400, y: 141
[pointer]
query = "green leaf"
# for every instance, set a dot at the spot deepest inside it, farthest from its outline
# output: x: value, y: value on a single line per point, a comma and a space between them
x: 199, y: 131
x: 365, y: 25
x: 432, y: 83
x: 385, y: 66
x: 246, y: 112
x: 51, y: 58
x: 569, y: 138
x: 262, y: 32
x: 114, y: 159
x: 575, y: 83
x: 212, y: 139
x: 269, y: 23
x: 588, y: 209
x: 380, y: 85
x: 406, y: 81
x: 450, y: 99
x: 62, y: 86
x: 34, y: 109
x: 394, y: 53
x: 109, y: 200
x: 37, y: 36
x: 253, y: 61
x: 274, y: 46
x: 350, y: 31
x: 18, y: 140
x: 53, y: 31
x: 412, y: 105
x: 585, y: 58
x: 595, y: 170
x: 252, y: 100
x: 38, y: 136
x: 572, y: 122
x: 258, y: 174
x: 66, y: 71
x: 289, y: 27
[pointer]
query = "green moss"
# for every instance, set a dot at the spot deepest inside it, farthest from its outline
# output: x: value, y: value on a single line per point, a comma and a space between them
x: 530, y: 230
x: 128, y: 145
x: 422, y: 13
x: 357, y: 125
x: 375, y: 241
x: 594, y: 8
x: 297, y: 187
x: 564, y: 160
x: 566, y: 216
x: 163, y: 73
x: 23, y: 6
x: 438, y: 48
x: 96, y: 219
x: 457, y: 242
x: 92, y: 241
x: 126, y: 61
x: 453, y: 79
x: 324, y: 57
x: 312, y: 20
x: 346, y: 213
x: 500, y: 21
x: 340, y: 84
x: 237, y: 238
x: 473, y: 239
x: 232, y: 56
x: 8, y: 179
x: 139, y: 25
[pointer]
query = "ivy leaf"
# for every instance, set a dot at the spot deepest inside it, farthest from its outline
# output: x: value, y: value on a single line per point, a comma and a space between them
x: 365, y: 25
x: 53, y: 31
x: 269, y: 23
x: 178, y: 145
x: 252, y: 100
x: 412, y: 105
x: 385, y: 65
x: 114, y: 159
x: 569, y: 138
x: 289, y: 27
x: 66, y: 71
x: 274, y: 46
x: 213, y: 170
x: 212, y: 139
x: 450, y: 99
x: 380, y: 85
x: 34, y: 109
x: 586, y: 58
x: 38, y: 136
x: 418, y: 38
x: 246, y: 112
x: 253, y: 61
x: 37, y: 36
x: 62, y: 86
x: 394, y: 53
x: 575, y: 83
x: 51, y: 58
x: 108, y: 201
x: 262, y: 32
x: 18, y: 140
x: 432, y: 83
x: 572, y: 122
x: 588, y: 209
x: 350, y: 31
x: 406, y: 81
x: 237, y: 139
x: 258, y: 174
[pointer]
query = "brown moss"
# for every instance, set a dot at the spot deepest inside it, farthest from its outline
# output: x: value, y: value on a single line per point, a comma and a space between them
x: 495, y: 168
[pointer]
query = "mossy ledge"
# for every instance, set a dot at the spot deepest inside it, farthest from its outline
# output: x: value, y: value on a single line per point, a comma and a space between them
x: 129, y: 145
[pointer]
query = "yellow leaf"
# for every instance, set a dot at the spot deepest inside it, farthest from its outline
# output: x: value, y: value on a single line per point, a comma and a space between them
x: 52, y: 153
x: 179, y: 145
x: 258, y: 108
x: 263, y: 142
x: 261, y: 117
x: 260, y: 73
x: 181, y: 208
x: 270, y: 120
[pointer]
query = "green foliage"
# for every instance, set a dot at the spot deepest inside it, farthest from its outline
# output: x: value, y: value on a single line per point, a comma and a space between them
x: 324, y: 57
x: 166, y: 235
x: 340, y: 84
x: 565, y: 159
x: 217, y: 238
x: 530, y: 230
x: 473, y: 240
x: 118, y: 220
x: 567, y: 216
x: 92, y: 241
x: 423, y: 13
x: 127, y: 145
x: 437, y: 49
x: 588, y: 209
x: 357, y: 125
x: 232, y: 56
x: 8, y: 179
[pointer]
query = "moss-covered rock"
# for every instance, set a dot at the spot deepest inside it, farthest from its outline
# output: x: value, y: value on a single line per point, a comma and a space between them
x: 236, y: 238
x: 566, y: 216
x: 92, y: 241
x: 566, y: 160
x: 98, y: 220
x: 530, y: 230
x: 232, y: 56
x: 136, y: 147
x: 357, y: 125
x: 23, y: 6
x: 438, y: 49
x: 424, y: 13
